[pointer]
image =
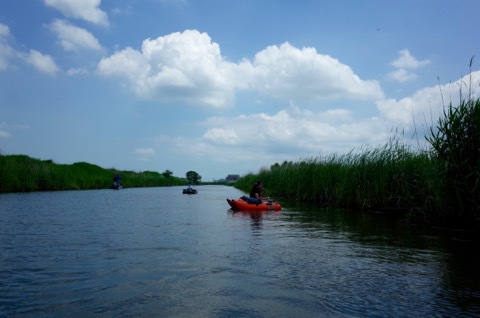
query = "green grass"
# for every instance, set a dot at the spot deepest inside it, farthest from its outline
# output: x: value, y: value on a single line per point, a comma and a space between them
x: 20, y: 173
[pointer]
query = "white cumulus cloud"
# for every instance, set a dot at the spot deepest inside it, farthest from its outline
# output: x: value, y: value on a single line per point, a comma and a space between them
x: 185, y: 67
x: 402, y: 75
x: 408, y: 61
x: 41, y: 62
x: 73, y: 38
x: 404, y: 66
x: 289, y: 132
x: 87, y: 10
x: 189, y: 67
x: 287, y: 72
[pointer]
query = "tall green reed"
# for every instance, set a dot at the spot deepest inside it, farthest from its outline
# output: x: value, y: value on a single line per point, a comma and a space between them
x: 456, y: 145
x: 391, y: 176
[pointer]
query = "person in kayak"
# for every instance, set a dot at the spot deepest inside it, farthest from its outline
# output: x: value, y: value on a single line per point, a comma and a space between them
x: 257, y: 191
x: 116, y: 182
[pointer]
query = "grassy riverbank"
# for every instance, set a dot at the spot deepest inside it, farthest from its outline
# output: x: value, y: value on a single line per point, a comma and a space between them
x: 441, y: 184
x: 20, y: 173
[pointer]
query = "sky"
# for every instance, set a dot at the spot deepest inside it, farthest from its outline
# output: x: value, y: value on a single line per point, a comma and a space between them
x: 227, y: 87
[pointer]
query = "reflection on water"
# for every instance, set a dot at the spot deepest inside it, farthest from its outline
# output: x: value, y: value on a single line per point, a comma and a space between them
x: 255, y: 217
x: 157, y: 252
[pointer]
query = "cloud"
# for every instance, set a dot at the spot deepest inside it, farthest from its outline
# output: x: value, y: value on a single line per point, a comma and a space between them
x: 4, y: 128
x: 293, y: 132
x: 4, y: 31
x: 403, y: 64
x: 144, y: 154
x: 301, y: 131
x: 6, y: 51
x: 73, y: 38
x: 4, y: 134
x: 126, y: 10
x: 76, y: 71
x: 41, y: 62
x: 86, y: 10
x: 260, y: 138
x: 426, y: 105
x: 144, y: 151
x: 184, y: 67
x: 287, y: 72
x: 407, y: 61
x: 221, y: 136
x: 189, y: 67
x: 402, y: 75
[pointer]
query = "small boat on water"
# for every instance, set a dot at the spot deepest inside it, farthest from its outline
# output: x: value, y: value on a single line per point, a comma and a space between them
x: 116, y: 186
x: 116, y: 182
x: 248, y: 204
x: 190, y: 191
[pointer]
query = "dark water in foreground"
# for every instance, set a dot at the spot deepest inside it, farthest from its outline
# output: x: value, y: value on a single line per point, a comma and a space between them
x: 154, y: 252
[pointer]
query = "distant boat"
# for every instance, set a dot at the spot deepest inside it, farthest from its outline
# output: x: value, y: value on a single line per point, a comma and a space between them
x: 116, y: 182
x: 190, y: 191
x: 116, y: 186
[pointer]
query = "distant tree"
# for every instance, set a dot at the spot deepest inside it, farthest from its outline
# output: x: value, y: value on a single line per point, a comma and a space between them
x: 193, y: 177
x: 167, y: 173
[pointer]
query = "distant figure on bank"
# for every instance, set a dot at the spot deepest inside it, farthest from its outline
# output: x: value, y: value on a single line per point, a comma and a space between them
x: 116, y: 181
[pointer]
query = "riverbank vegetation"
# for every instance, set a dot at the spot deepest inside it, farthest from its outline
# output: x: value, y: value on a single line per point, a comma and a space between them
x: 437, y: 185
x: 21, y: 173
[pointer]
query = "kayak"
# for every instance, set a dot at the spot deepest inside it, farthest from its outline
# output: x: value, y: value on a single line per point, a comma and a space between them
x: 244, y: 204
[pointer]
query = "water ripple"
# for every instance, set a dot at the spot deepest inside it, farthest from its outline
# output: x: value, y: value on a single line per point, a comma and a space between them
x: 154, y: 252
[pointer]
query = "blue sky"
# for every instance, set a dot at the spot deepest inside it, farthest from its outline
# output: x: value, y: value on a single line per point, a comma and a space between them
x: 226, y: 87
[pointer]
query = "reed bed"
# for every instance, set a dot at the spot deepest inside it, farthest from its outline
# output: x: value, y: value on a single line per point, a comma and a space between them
x: 441, y: 184
x: 383, y: 177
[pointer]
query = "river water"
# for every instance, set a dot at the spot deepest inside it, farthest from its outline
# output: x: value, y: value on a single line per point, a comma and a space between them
x: 155, y: 252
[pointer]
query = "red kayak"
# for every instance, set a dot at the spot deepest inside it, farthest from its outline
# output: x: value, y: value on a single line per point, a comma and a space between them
x: 243, y: 204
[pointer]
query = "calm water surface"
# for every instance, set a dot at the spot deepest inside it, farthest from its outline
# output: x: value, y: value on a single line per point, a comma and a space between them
x: 154, y: 252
